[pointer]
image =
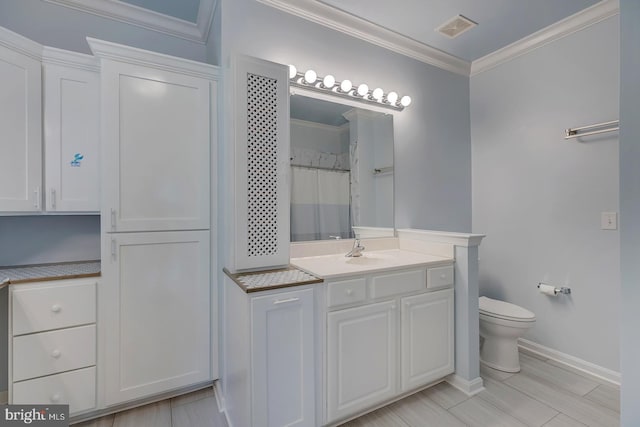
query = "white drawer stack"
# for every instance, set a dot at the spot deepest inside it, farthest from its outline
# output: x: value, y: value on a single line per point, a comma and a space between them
x: 52, y: 345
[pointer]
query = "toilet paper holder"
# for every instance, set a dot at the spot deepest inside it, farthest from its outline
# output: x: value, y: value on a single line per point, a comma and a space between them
x: 556, y: 291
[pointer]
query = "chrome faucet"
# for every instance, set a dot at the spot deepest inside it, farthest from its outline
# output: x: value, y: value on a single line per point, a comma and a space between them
x: 357, y: 249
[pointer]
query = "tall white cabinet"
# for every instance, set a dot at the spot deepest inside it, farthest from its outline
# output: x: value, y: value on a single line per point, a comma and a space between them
x: 158, y: 125
x: 259, y: 200
x: 20, y: 124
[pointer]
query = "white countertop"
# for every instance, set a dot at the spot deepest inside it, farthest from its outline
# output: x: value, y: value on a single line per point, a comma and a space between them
x: 337, y: 265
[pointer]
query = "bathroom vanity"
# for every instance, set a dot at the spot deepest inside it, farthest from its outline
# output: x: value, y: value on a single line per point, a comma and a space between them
x: 372, y: 329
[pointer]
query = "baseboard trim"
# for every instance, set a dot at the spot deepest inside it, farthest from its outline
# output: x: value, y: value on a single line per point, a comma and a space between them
x: 4, y: 397
x: 591, y: 369
x: 469, y: 388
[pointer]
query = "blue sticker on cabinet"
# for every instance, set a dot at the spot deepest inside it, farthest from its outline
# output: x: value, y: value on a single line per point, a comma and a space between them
x: 77, y: 159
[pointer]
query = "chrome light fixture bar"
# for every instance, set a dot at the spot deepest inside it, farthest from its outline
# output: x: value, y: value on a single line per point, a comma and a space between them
x: 346, y: 89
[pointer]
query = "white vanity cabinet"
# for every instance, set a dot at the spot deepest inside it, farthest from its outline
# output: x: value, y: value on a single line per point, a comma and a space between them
x: 20, y: 124
x: 388, y: 333
x: 71, y: 96
x: 52, y: 344
x: 269, y: 356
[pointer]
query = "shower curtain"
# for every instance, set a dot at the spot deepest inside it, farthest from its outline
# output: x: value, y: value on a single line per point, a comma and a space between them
x: 319, y: 204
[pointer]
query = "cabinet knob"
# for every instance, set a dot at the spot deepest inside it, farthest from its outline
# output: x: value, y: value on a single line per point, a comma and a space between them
x: 349, y: 292
x: 56, y: 353
x: 56, y: 308
x: 408, y: 304
x: 55, y: 398
x: 393, y: 307
x: 443, y: 276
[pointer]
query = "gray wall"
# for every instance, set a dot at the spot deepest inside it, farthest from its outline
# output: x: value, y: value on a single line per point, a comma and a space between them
x: 432, y: 141
x: 539, y: 198
x: 43, y: 239
x: 66, y: 28
x: 630, y: 209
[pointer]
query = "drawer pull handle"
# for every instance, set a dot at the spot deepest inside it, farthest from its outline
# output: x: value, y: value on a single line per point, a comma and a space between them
x: 56, y: 353
x: 56, y: 308
x: 55, y: 398
x: 284, y: 301
x: 349, y: 292
x: 443, y: 276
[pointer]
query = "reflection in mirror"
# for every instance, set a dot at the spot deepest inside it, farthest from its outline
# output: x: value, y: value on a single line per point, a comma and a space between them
x: 341, y: 171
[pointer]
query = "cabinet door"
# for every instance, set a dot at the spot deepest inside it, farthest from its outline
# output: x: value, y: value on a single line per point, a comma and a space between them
x: 361, y: 358
x: 156, y: 145
x: 71, y: 135
x: 427, y: 338
x: 261, y: 193
x: 283, y: 359
x: 154, y: 313
x: 20, y: 129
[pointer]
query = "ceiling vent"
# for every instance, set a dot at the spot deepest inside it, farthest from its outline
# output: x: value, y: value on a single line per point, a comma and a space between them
x: 456, y: 26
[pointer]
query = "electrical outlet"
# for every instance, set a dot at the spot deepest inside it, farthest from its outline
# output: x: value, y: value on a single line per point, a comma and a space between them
x: 609, y: 220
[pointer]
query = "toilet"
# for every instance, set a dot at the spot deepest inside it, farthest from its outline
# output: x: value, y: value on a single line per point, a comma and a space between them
x: 501, y: 324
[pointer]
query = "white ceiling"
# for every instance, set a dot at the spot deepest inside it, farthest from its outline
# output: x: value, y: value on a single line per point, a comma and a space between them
x: 500, y: 22
x: 181, y: 9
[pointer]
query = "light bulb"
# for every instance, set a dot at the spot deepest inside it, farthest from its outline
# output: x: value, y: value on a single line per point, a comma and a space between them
x: 377, y: 94
x: 405, y: 101
x: 293, y: 71
x: 329, y: 81
x: 392, y: 98
x: 346, y: 86
x: 310, y: 77
x: 363, y: 89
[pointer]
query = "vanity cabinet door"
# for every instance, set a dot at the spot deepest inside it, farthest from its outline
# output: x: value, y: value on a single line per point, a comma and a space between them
x: 361, y: 358
x: 283, y: 374
x: 427, y: 338
x: 20, y: 124
x: 261, y: 179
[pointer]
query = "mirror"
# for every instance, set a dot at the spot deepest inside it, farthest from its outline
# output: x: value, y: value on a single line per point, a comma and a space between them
x: 341, y: 171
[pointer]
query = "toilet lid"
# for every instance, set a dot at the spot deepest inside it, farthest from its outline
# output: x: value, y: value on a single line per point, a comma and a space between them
x: 504, y: 310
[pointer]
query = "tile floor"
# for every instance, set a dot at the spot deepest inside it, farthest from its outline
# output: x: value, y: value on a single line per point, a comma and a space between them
x: 543, y: 394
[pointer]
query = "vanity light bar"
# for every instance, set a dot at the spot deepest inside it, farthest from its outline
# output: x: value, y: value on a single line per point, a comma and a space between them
x: 346, y: 89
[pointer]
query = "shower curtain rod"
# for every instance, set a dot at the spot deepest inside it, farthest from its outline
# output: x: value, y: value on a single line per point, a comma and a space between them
x: 321, y: 168
x: 579, y: 131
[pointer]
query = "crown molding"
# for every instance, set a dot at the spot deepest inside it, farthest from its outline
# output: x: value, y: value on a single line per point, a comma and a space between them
x: 131, y: 55
x: 592, y: 15
x: 346, y: 23
x: 52, y: 55
x: 20, y: 44
x: 130, y: 14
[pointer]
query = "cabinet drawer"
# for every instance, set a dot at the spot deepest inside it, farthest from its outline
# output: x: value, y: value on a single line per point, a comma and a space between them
x: 75, y: 388
x: 57, y: 306
x: 346, y: 291
x: 401, y: 282
x: 51, y: 352
x: 440, y: 277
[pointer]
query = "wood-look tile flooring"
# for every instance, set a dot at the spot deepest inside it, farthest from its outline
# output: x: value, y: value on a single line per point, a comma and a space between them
x: 542, y: 394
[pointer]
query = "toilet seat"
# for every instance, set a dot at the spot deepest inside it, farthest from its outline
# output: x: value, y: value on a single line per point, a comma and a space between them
x: 504, y: 310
